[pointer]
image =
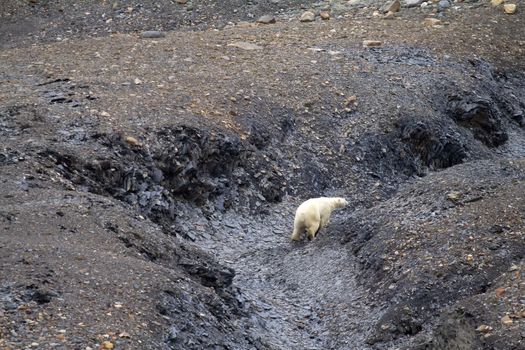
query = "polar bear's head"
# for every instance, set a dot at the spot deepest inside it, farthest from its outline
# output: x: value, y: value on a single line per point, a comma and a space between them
x: 340, y: 202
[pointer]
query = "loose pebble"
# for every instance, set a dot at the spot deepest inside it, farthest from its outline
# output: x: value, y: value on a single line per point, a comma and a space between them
x: 307, y: 16
x: 509, y: 8
x: 266, y: 19
x: 372, y: 43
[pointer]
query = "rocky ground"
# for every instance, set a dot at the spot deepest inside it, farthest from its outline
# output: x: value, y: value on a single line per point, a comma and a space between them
x: 150, y: 180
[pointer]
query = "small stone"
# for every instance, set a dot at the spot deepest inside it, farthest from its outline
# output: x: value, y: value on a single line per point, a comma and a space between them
x: 245, y: 46
x: 500, y: 291
x: 372, y: 43
x: 509, y: 8
x: 137, y: 81
x: 497, y: 229
x: 182, y: 2
x: 513, y: 267
x: 307, y: 16
x: 454, y: 195
x: 506, y: 320
x: 132, y: 141
x: 351, y: 100
x: 150, y: 34
x: 173, y: 333
x: 393, y: 6
x: 443, y: 4
x: 266, y: 19
x: 413, y: 3
x: 325, y: 15
x: 484, y: 328
x: 107, y: 345
x: 469, y: 259
x: 105, y: 114
x: 496, y: 2
x: 124, y: 335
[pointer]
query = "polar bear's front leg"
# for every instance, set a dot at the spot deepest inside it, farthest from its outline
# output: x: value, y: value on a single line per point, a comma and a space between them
x: 325, y: 220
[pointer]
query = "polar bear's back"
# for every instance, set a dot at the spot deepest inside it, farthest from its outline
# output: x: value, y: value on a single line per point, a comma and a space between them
x: 308, y: 213
x: 313, y: 206
x: 312, y: 203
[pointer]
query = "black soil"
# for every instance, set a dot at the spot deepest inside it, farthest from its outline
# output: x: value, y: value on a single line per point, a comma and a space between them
x: 148, y: 185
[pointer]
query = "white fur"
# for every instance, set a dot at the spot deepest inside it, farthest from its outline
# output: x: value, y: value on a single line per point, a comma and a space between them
x: 314, y: 214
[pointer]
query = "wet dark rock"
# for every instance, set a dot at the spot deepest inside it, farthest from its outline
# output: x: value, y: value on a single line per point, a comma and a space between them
x: 259, y: 136
x: 197, y: 165
x: 41, y: 297
x: 455, y: 329
x: 398, y: 321
x: 210, y: 276
x: 481, y: 116
x: 411, y: 149
x: 196, y: 315
x: 9, y: 156
x: 436, y: 146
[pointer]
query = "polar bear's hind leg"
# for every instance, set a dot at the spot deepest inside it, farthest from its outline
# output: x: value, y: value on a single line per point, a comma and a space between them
x: 312, y: 229
x: 298, y: 229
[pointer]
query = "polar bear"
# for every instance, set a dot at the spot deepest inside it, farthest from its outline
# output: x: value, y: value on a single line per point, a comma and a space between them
x: 314, y: 214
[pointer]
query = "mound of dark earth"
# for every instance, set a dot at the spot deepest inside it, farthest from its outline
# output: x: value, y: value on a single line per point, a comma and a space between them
x: 434, y: 245
x: 149, y: 186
